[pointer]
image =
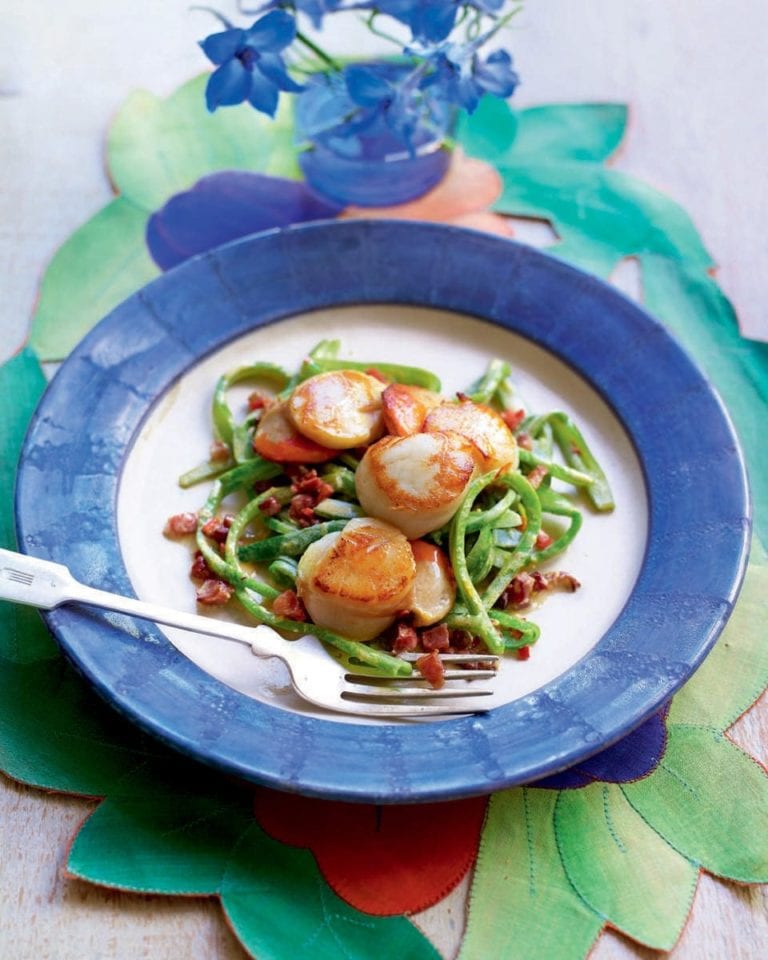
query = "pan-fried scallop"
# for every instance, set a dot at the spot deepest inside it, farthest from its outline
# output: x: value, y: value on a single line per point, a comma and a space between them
x: 416, y: 482
x: 406, y: 407
x: 483, y: 426
x: 339, y: 409
x: 356, y: 581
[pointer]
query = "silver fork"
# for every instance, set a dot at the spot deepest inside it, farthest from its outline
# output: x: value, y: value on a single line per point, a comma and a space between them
x: 315, y: 675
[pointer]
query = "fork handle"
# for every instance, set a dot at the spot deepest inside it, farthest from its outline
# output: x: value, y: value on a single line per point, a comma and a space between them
x: 47, y: 585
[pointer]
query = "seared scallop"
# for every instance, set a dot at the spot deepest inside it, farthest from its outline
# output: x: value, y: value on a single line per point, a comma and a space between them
x: 434, y: 586
x: 483, y: 426
x: 357, y: 580
x: 338, y: 409
x: 416, y: 482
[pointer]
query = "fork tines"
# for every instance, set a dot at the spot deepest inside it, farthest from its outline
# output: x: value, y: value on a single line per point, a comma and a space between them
x: 458, y: 682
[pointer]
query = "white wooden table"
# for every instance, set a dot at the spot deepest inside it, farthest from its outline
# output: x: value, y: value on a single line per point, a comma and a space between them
x: 695, y: 77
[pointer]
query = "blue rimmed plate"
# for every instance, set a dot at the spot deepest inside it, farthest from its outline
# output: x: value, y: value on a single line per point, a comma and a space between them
x: 127, y: 412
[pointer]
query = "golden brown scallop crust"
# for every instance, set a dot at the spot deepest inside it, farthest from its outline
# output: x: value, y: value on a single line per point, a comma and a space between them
x: 339, y: 409
x: 370, y: 565
x: 483, y: 426
x: 450, y: 463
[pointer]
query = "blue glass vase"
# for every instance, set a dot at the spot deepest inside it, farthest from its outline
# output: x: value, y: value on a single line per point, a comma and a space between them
x: 372, y: 166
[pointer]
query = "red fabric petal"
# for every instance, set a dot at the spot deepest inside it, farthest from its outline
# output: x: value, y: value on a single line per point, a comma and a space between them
x: 383, y: 860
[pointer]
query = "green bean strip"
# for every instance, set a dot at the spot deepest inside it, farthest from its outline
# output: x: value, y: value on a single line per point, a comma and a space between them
x: 483, y: 518
x: 284, y: 571
x: 557, y: 470
x: 483, y: 626
x: 521, y: 556
x: 379, y: 660
x: 323, y: 358
x: 530, y: 632
x: 557, y: 505
x: 223, y: 419
x: 484, y: 389
x: 480, y: 557
x: 577, y: 454
x: 288, y: 544
x: 208, y: 470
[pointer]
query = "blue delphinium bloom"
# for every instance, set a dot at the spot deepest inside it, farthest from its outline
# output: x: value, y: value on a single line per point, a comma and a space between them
x: 249, y: 65
x: 314, y: 9
x: 462, y: 76
x: 431, y: 21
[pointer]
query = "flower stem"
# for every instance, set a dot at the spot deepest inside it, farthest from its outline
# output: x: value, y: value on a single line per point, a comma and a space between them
x: 318, y: 51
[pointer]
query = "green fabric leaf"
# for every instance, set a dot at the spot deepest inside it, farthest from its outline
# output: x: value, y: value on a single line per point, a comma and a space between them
x: 736, y: 671
x: 55, y: 733
x: 709, y: 801
x: 522, y: 904
x: 162, y: 840
x: 101, y: 264
x: 694, y: 307
x: 23, y: 636
x: 599, y: 206
x: 621, y: 867
x: 158, y: 147
x: 579, y: 132
x: 285, y: 910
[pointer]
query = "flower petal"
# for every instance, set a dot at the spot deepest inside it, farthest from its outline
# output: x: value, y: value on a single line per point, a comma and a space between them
x: 366, y: 86
x: 220, y: 47
x: 271, y: 33
x: 227, y: 85
x: 273, y: 67
x: 433, y: 20
x: 263, y: 94
x: 496, y: 75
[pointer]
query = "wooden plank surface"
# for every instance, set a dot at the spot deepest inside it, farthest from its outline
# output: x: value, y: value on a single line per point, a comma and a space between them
x: 694, y: 75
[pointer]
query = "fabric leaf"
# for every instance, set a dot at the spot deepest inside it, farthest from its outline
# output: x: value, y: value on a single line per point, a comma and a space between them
x: 161, y: 841
x: 158, y: 147
x: 102, y: 263
x: 735, y: 673
x: 709, y: 801
x: 23, y: 637
x: 621, y: 867
x: 681, y: 296
x: 522, y: 904
x: 285, y: 910
x: 577, y: 132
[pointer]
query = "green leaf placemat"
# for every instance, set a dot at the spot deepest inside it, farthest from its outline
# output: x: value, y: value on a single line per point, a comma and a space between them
x: 554, y: 867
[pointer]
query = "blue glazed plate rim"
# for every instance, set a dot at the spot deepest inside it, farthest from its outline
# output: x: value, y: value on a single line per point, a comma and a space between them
x: 685, y: 592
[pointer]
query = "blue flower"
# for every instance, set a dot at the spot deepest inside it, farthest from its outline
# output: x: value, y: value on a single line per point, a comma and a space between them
x: 431, y: 21
x: 249, y: 65
x: 314, y: 9
x: 462, y: 77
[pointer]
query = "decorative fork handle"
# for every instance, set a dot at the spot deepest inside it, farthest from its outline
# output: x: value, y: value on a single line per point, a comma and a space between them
x: 47, y: 585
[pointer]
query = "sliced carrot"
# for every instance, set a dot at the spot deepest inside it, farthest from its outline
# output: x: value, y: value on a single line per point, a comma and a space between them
x: 277, y: 439
x: 406, y: 407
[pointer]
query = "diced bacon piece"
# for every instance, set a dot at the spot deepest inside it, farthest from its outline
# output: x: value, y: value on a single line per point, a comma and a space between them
x: 259, y: 401
x: 214, y: 593
x: 200, y: 569
x: 309, y: 484
x: 430, y: 666
x: 219, y: 452
x: 270, y: 507
x: 217, y: 528
x: 536, y: 476
x: 288, y: 606
x: 436, y: 638
x: 523, y: 653
x: 543, y: 540
x: 180, y: 525
x: 406, y: 639
x: 525, y: 441
x: 513, y: 418
x: 302, y: 510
